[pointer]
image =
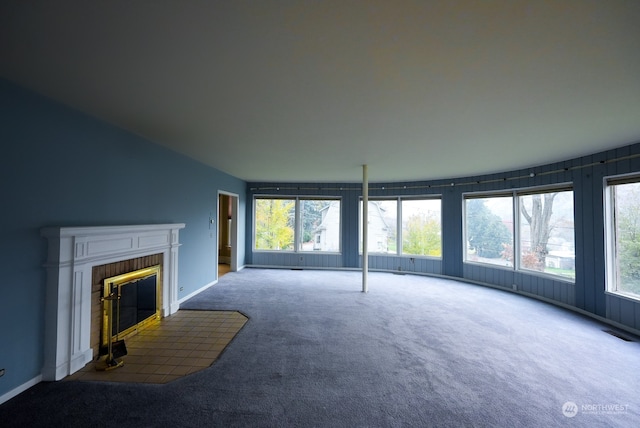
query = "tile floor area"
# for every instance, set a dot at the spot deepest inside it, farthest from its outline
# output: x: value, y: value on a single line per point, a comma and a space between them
x: 184, y: 343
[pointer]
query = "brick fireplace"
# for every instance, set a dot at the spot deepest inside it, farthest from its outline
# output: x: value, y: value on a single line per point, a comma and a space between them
x: 76, y: 258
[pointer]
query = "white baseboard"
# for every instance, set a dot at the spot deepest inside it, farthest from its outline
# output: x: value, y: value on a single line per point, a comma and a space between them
x: 20, y: 389
x: 198, y: 291
x: 201, y: 289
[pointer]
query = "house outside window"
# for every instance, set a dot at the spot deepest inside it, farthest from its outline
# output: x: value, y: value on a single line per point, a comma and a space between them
x: 296, y: 224
x: 542, y: 239
x: 404, y: 226
x: 547, y: 236
x: 320, y: 225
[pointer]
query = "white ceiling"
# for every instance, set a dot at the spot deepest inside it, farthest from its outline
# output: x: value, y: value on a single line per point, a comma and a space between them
x: 312, y: 90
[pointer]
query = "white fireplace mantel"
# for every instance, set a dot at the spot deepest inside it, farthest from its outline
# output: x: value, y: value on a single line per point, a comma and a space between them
x: 72, y: 254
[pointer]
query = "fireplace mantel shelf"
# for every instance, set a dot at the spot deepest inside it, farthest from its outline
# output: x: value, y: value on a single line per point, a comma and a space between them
x: 72, y: 253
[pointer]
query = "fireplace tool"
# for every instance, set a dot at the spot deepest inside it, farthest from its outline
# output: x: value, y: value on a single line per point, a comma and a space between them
x: 114, y: 349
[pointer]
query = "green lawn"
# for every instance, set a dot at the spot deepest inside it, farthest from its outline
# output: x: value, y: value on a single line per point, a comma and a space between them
x: 567, y: 273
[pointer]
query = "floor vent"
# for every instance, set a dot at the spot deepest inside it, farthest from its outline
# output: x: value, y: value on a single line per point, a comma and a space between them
x: 618, y: 335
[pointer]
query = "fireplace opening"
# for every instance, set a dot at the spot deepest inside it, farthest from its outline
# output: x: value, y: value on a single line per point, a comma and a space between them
x: 136, y: 303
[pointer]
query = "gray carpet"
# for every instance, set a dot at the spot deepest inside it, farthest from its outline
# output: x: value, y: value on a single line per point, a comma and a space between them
x: 414, y: 351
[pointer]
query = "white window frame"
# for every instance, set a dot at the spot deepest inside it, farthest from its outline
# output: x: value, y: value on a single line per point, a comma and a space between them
x: 515, y: 217
x: 400, y: 227
x: 399, y: 243
x: 540, y: 191
x: 610, y: 238
x: 253, y: 226
x: 297, y: 229
x: 514, y: 194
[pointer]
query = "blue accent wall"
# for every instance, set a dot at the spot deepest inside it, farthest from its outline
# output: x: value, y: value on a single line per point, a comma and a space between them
x: 586, y: 295
x: 63, y: 168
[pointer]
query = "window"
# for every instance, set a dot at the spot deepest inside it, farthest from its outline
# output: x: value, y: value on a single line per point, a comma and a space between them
x: 623, y: 236
x: 418, y: 234
x: 542, y: 240
x: 319, y: 225
x: 421, y: 227
x: 547, y: 233
x: 297, y: 224
x: 274, y: 224
x: 382, y: 223
x: 489, y: 230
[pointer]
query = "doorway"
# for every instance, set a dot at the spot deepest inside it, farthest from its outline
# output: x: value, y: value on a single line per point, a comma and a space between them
x: 227, y: 233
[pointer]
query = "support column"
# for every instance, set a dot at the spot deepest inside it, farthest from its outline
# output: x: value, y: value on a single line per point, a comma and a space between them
x: 365, y: 228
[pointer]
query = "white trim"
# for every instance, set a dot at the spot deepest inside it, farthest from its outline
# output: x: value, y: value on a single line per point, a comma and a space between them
x: 610, y: 235
x: 72, y: 254
x: 20, y: 389
x: 198, y: 291
x: 233, y: 231
x: 609, y: 238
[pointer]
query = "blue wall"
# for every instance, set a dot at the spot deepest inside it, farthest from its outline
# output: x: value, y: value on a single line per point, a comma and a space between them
x: 586, y: 295
x: 63, y: 168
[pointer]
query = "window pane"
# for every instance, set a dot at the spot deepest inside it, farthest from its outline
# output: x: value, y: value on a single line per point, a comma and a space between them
x: 489, y: 230
x: 626, y: 199
x: 274, y: 220
x: 320, y: 225
x: 382, y: 236
x: 421, y: 227
x: 547, y: 234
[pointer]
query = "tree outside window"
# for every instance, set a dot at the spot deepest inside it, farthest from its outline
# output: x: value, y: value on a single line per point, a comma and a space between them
x: 281, y: 222
x: 421, y: 227
x: 489, y: 230
x: 626, y: 219
x: 274, y: 224
x: 547, y: 233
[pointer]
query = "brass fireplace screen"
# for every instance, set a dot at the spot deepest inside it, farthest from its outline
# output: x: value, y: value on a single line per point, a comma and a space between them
x: 136, y: 302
